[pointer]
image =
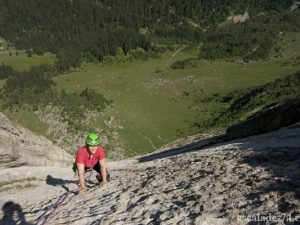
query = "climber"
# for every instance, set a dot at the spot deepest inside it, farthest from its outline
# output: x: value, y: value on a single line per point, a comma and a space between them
x: 91, y: 156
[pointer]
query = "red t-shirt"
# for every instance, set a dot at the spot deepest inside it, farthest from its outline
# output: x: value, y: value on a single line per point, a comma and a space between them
x: 89, y: 160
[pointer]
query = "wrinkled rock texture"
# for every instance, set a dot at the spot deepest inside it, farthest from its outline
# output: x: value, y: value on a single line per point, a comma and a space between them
x: 18, y: 146
x: 236, y: 183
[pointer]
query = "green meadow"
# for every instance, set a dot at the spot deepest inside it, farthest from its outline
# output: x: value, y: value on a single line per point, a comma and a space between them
x: 154, y: 104
x: 21, y: 61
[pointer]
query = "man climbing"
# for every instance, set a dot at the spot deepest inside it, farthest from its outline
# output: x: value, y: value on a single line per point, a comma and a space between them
x: 91, y: 156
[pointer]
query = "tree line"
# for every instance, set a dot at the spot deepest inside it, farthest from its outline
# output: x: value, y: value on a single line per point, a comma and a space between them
x: 244, y: 102
x: 89, y: 30
x: 252, y: 40
x: 35, y: 88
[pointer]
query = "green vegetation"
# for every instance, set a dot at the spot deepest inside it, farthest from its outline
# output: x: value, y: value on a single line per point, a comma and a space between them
x: 252, y: 40
x: 155, y: 104
x: 243, y: 103
x: 26, y: 118
x: 18, y: 184
x: 143, y: 73
x: 22, y: 62
x: 5, y: 71
x: 183, y: 63
x: 4, y: 183
x: 287, y: 48
x: 87, y: 31
x: 34, y: 89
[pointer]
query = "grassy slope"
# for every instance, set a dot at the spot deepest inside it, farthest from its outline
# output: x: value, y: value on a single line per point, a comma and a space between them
x: 155, y: 104
x: 148, y: 95
x: 290, y: 43
x: 23, y: 62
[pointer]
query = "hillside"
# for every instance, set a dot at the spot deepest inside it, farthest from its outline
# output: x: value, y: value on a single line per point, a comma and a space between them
x: 146, y: 95
x: 181, y: 93
x: 65, y: 73
x: 90, y: 30
x: 238, y: 182
x: 141, y: 117
x: 244, y: 103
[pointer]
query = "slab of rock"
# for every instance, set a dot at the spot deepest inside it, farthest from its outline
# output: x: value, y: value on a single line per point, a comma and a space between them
x: 228, y: 183
x: 267, y: 120
x: 19, y: 146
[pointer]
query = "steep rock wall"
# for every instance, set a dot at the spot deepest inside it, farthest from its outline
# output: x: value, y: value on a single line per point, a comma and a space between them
x: 267, y: 120
x: 19, y: 146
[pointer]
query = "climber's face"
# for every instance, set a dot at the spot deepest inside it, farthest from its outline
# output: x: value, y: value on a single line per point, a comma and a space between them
x: 93, y: 149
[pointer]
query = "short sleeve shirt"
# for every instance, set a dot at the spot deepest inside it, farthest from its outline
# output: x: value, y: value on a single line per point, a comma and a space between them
x: 89, y: 160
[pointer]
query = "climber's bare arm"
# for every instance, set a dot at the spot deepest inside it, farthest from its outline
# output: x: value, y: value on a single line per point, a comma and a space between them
x: 81, y: 173
x: 103, y: 172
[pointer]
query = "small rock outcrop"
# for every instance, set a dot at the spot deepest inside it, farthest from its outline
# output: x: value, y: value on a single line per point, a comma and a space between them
x: 267, y: 120
x: 239, y: 18
x: 295, y: 5
x: 19, y: 146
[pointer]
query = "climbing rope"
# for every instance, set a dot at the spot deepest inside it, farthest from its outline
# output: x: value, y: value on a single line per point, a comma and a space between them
x: 60, y: 202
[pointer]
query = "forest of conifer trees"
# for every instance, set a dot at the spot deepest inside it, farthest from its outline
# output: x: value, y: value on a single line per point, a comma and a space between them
x: 88, y: 30
x: 96, y: 31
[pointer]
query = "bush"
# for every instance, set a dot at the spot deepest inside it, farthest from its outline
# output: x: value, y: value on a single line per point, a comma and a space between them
x: 252, y: 40
x: 5, y: 71
x: 35, y: 88
x: 181, y: 64
x: 243, y: 102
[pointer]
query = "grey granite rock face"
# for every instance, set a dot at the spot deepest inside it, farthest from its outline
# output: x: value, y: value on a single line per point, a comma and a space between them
x: 238, y: 182
x: 19, y: 146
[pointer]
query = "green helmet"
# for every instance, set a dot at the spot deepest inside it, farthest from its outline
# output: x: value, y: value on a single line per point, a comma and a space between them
x: 92, y: 139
